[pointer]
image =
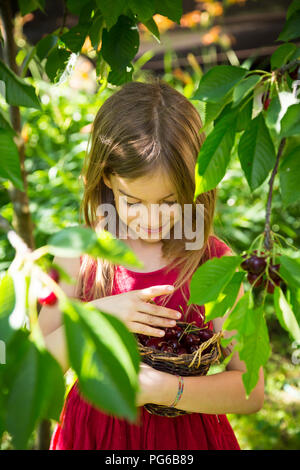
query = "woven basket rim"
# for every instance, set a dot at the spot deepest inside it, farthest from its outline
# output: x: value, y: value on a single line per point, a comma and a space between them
x: 181, y: 359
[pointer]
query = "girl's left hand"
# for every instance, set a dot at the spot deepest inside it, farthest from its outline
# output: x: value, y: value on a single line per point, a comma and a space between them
x: 150, y: 382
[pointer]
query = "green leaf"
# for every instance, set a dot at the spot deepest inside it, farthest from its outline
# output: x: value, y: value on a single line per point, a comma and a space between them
x: 244, y: 116
x: 121, y: 43
x: 211, y: 278
x: 242, y: 89
x: 219, y: 307
x: 45, y: 45
x: 213, y: 110
x: 290, y: 270
x: 172, y: 9
x: 144, y: 9
x: 25, y: 400
x: 57, y: 62
x: 255, y: 350
x: 241, y: 317
x: 285, y: 314
x: 153, y: 28
x: 10, y: 160
x: 7, y: 305
x: 289, y: 174
x: 256, y: 152
x: 27, y: 6
x: 218, y: 81
x: 111, y: 11
x: 291, y: 29
x: 17, y: 91
x: 293, y: 297
x: 274, y: 114
x: 51, y: 385
x: 95, y: 32
x: 75, y: 37
x: 294, y: 6
x: 5, y: 122
x: 104, y: 355
x: 290, y: 123
x: 119, y: 76
x: 282, y: 55
x: 74, y: 241
x: 214, y: 155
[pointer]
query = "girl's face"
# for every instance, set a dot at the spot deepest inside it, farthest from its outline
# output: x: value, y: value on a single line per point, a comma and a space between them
x: 146, y: 203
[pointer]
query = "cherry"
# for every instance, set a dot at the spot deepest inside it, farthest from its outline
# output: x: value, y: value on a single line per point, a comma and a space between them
x: 192, y: 348
x: 48, y: 297
x: 252, y: 278
x: 177, y: 331
x: 153, y: 343
x: 270, y: 287
x: 182, y: 350
x: 206, y: 334
x: 257, y: 264
x: 174, y: 345
x: 190, y: 339
x: 166, y: 348
x: 273, y: 270
x: 169, y: 333
x: 266, y: 100
x: 143, y: 339
x: 294, y: 74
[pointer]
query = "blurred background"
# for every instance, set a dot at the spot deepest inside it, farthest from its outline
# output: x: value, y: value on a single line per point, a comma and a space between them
x: 210, y: 33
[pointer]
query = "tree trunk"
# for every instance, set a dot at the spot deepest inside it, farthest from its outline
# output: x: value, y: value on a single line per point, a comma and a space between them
x: 22, y: 222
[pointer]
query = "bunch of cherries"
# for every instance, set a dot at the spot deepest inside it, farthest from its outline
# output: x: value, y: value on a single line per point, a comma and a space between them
x: 178, y: 340
x: 256, y: 267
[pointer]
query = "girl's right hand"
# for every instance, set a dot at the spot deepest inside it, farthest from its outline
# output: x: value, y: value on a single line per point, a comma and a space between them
x: 136, y: 311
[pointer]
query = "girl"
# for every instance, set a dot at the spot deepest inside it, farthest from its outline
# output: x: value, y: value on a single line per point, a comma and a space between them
x: 144, y: 145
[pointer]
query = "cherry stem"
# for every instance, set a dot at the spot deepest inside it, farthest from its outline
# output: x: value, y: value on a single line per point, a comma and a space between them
x: 277, y: 235
x: 268, y: 242
x: 284, y: 68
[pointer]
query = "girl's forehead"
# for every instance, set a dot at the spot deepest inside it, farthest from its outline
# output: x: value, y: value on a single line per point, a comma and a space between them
x: 157, y: 184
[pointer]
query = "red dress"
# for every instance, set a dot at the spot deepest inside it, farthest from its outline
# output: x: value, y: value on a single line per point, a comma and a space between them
x: 83, y: 427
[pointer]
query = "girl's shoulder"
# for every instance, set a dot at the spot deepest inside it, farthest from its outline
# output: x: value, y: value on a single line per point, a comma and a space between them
x: 218, y: 247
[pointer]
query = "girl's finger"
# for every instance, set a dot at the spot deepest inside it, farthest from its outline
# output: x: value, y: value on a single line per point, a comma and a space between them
x: 148, y: 292
x: 152, y: 320
x: 142, y: 329
x: 158, y: 310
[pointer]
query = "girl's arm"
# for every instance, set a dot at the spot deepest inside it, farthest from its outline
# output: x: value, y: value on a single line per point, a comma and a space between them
x: 220, y: 393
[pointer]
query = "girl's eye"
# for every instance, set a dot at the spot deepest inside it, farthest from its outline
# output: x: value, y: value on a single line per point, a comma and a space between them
x: 170, y: 203
x: 133, y: 204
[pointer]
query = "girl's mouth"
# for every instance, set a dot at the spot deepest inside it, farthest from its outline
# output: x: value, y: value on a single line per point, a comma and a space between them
x: 150, y: 231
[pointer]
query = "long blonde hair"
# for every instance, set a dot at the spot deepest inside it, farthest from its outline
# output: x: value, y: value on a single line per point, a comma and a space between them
x: 141, y: 127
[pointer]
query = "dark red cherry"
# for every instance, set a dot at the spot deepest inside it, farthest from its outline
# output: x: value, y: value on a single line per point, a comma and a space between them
x: 192, y: 348
x: 182, y: 350
x: 169, y: 333
x: 153, y: 343
x: 166, y: 348
x: 270, y: 287
x: 206, y: 334
x: 177, y: 331
x: 273, y: 270
x: 266, y: 100
x: 253, y: 279
x: 257, y: 264
x: 294, y: 74
x: 174, y: 345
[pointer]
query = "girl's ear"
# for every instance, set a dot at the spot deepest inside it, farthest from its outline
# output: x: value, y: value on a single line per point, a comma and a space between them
x: 106, y: 181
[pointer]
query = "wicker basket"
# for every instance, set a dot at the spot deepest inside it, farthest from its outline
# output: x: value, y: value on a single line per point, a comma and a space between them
x: 193, y: 364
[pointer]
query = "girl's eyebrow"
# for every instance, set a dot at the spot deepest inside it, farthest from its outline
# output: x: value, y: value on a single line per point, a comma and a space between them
x: 123, y: 192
